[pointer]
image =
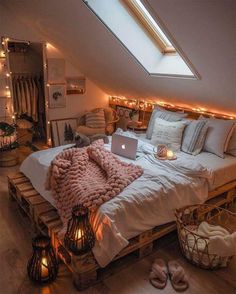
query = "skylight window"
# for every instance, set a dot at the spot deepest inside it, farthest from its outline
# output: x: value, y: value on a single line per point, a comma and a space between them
x: 143, y: 36
x: 150, y: 24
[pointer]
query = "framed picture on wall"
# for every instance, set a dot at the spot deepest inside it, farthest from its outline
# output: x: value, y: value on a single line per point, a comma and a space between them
x: 56, y: 70
x: 75, y: 85
x: 57, y: 95
x: 63, y: 131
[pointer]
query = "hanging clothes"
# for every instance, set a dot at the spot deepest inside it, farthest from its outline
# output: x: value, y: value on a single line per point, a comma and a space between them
x: 27, y: 91
x: 29, y: 101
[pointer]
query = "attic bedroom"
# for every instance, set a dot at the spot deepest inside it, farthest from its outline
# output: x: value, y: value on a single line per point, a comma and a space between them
x: 118, y: 146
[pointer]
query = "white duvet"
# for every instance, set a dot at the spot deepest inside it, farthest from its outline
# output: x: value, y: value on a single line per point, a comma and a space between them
x: 147, y: 202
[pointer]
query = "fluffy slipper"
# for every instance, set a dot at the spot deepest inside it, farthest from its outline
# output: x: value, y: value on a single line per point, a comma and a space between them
x: 177, y: 275
x: 159, y: 274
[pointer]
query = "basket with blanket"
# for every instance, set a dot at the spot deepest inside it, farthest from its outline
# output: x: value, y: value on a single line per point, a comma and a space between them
x: 207, y: 235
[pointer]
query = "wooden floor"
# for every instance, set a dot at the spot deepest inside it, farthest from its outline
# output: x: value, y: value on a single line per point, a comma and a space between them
x: 15, y: 249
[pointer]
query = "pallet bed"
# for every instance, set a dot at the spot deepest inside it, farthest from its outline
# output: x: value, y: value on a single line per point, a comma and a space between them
x: 43, y: 218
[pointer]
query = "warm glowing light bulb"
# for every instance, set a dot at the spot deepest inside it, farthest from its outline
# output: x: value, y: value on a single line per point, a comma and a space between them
x: 44, y: 267
x: 2, y: 53
x: 78, y: 236
x: 170, y: 154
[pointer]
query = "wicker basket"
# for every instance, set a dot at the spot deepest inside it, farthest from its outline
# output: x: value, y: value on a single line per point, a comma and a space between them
x: 195, y: 247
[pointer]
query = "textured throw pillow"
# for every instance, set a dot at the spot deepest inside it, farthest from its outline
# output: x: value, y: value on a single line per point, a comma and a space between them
x: 217, y: 135
x: 168, y: 133
x: 231, y: 149
x: 194, y: 137
x: 95, y: 119
x: 159, y: 112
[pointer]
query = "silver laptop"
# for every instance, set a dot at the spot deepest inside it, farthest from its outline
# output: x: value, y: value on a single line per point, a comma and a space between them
x: 124, y: 146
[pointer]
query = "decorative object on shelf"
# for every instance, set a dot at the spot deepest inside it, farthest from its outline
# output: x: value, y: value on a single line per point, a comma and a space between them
x: 75, y: 85
x: 43, y: 265
x: 57, y: 95
x: 79, y: 237
x: 63, y: 131
x: 56, y: 70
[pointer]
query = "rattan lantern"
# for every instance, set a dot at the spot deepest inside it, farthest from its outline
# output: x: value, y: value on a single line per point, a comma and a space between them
x: 79, y: 237
x: 43, y: 265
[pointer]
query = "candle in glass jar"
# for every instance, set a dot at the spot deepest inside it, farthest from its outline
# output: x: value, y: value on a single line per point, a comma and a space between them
x: 44, y: 268
x: 170, y: 154
x: 78, y: 235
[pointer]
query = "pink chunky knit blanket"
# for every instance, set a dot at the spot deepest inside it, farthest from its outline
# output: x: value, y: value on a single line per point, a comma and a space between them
x: 89, y: 176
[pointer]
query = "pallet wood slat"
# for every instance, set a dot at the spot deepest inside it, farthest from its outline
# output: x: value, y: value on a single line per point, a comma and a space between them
x: 45, y: 219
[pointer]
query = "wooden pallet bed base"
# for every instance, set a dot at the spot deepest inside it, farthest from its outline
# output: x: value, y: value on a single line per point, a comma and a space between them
x: 45, y: 219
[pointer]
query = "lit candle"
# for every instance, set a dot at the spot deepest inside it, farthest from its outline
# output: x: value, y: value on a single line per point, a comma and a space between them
x: 78, y: 235
x: 44, y: 268
x: 170, y: 154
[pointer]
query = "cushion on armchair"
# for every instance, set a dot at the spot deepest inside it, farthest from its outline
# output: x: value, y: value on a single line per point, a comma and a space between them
x: 95, y: 119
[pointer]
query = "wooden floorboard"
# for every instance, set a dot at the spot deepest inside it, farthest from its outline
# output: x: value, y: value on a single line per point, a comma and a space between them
x: 15, y: 249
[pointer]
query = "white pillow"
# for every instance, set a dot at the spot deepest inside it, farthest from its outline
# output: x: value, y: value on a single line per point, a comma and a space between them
x: 168, y: 133
x: 217, y: 135
x: 159, y: 112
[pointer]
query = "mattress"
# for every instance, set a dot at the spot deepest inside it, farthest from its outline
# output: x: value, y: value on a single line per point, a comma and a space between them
x: 223, y: 169
x: 147, y: 202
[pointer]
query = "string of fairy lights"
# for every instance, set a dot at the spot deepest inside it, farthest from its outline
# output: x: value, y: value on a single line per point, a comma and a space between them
x: 145, y: 105
x: 5, y: 80
x: 141, y: 104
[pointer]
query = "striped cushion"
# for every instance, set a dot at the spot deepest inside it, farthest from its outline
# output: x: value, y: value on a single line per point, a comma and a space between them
x: 194, y: 137
x: 159, y: 112
x: 231, y: 149
x: 95, y: 119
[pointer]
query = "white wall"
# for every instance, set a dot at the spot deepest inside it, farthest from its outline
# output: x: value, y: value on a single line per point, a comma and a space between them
x: 76, y: 104
x: 202, y: 28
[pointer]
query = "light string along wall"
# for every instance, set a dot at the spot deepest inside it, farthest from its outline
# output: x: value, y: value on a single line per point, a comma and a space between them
x: 147, y: 105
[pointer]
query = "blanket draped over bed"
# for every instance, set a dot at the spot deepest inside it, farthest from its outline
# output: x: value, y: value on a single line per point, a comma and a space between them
x: 89, y: 176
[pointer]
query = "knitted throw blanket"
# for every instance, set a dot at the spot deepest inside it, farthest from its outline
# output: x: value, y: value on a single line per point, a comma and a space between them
x: 89, y: 176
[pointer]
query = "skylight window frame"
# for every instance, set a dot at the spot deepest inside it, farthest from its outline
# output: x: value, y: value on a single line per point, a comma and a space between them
x: 144, y: 18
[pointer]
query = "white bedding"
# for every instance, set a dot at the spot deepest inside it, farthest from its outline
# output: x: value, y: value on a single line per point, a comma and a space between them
x: 147, y: 202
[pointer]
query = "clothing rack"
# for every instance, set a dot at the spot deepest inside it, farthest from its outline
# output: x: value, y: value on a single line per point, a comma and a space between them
x: 26, y: 74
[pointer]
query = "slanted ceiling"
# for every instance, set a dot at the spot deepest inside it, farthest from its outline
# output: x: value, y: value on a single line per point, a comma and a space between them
x: 204, y: 29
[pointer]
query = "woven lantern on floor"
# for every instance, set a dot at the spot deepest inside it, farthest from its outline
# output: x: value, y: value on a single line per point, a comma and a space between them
x: 43, y: 265
x: 79, y: 237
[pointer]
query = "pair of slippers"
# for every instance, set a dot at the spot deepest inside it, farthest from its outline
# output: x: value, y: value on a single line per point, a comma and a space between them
x: 160, y: 271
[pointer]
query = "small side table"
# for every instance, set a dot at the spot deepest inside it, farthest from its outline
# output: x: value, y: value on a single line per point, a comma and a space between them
x: 137, y: 129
